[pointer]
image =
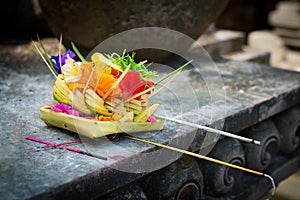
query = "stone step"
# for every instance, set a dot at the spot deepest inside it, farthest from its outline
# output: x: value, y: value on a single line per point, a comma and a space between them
x: 249, y: 55
x: 286, y: 15
x: 230, y: 45
x: 289, y: 188
x: 268, y: 41
x: 284, y: 19
x: 283, y: 32
x: 292, y: 42
x: 222, y: 41
x: 253, y: 93
x: 288, y: 6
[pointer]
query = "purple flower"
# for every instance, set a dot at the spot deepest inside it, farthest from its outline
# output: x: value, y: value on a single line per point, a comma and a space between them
x: 63, y: 59
x: 64, y: 108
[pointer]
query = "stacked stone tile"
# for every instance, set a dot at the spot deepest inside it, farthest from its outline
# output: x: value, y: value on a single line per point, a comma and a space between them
x: 286, y: 22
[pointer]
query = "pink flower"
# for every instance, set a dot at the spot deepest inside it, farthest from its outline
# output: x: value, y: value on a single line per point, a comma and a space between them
x: 151, y: 119
x: 64, y: 108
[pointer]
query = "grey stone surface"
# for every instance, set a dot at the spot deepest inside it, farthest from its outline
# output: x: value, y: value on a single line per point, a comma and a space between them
x: 219, y: 180
x: 283, y: 167
x: 173, y: 177
x: 253, y: 187
x: 254, y: 93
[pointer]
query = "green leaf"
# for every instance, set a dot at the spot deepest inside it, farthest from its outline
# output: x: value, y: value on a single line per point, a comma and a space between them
x: 46, y: 54
x: 173, y: 72
x: 77, y: 52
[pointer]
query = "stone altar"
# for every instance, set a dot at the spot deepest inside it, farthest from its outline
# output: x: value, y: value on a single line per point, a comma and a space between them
x: 254, y: 93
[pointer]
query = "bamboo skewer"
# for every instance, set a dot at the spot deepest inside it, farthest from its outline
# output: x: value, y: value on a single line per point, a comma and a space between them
x: 159, y: 89
x: 245, y: 139
x: 163, y: 86
x: 175, y: 72
x: 44, y: 59
x: 89, y: 80
x: 139, y: 94
x: 59, y: 51
x: 197, y: 155
x: 208, y: 159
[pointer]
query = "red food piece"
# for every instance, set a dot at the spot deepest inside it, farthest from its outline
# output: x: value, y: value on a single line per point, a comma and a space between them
x: 132, y: 84
x: 116, y: 73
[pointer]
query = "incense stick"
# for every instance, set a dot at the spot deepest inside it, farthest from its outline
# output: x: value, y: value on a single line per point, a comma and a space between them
x: 64, y: 143
x: 64, y: 147
x: 208, y: 159
x: 245, y: 139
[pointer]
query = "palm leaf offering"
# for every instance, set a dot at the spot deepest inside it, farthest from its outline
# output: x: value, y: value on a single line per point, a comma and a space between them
x: 107, y: 95
x: 110, y: 94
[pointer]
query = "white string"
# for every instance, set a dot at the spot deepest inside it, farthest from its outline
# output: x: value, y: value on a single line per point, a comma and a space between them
x: 273, y: 185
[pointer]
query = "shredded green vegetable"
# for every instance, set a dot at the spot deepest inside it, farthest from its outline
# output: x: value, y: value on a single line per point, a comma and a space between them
x: 125, y: 59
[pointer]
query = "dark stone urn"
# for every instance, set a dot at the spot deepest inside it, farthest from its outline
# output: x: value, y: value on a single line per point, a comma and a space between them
x: 87, y: 23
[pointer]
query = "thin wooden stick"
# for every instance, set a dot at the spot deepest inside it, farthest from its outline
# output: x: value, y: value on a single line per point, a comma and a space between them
x: 196, y: 155
x: 139, y: 94
x: 164, y: 85
x: 116, y: 83
x: 59, y: 50
x: 175, y: 71
x: 50, y: 68
x: 89, y: 80
x: 208, y: 159
x: 48, y: 57
x: 91, y: 75
x: 210, y: 129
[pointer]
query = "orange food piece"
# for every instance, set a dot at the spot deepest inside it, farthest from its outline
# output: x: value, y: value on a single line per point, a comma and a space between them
x: 95, y: 78
x: 74, y: 86
x: 105, y: 83
x: 86, y: 69
x: 100, y: 85
x: 115, y: 116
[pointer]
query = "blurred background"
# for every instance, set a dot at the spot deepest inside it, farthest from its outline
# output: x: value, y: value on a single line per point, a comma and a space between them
x: 24, y: 18
x: 237, y: 27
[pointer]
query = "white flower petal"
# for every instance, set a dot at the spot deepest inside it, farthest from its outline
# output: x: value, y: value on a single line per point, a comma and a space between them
x: 72, y: 79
